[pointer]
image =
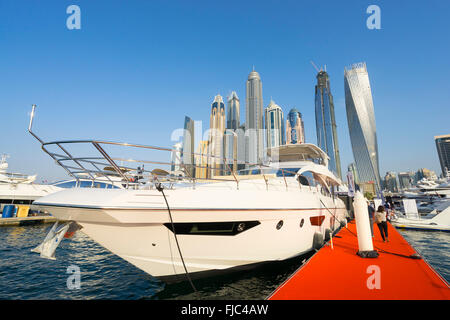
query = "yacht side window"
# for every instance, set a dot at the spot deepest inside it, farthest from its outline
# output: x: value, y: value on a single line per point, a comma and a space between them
x: 303, y: 180
x: 307, y: 179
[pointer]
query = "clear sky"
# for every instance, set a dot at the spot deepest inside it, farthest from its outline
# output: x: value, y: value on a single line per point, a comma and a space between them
x: 136, y: 68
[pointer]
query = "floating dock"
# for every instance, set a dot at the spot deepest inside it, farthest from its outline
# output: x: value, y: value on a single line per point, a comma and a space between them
x: 338, y: 273
x: 23, y: 221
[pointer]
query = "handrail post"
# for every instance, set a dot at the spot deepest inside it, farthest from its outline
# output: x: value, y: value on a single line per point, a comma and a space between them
x: 232, y: 172
x: 282, y: 171
x: 264, y: 176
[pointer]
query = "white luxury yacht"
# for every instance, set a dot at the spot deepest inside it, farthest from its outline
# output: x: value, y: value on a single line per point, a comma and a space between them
x: 438, y: 220
x: 168, y: 227
x: 16, y: 188
x: 21, y: 189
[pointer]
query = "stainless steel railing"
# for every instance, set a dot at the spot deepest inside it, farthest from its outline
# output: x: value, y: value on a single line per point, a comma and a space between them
x: 94, y: 167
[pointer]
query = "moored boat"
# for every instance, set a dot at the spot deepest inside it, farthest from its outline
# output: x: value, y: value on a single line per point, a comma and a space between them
x: 165, y: 226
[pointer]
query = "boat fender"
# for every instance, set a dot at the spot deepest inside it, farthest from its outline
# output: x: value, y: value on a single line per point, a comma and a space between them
x: 317, y: 240
x: 73, y: 227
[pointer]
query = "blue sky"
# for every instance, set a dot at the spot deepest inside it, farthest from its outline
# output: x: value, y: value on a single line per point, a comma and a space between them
x: 136, y: 68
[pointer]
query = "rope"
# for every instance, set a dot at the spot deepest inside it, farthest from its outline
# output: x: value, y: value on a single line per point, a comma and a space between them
x: 160, y: 188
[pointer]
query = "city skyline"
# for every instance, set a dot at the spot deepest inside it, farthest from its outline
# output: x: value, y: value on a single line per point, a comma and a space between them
x: 123, y: 74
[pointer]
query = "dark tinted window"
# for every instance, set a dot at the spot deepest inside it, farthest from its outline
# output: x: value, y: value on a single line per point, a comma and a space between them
x: 67, y: 184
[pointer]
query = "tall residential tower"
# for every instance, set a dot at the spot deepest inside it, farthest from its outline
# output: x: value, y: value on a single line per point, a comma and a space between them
x: 254, y: 149
x: 443, y: 149
x: 216, y: 133
x: 233, y: 109
x: 274, y: 120
x: 361, y: 124
x: 295, y: 130
x: 326, y: 122
x: 188, y: 147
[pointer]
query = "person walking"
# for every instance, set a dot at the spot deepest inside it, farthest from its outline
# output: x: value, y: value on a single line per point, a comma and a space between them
x: 380, y: 219
x: 371, y: 216
x: 387, y: 207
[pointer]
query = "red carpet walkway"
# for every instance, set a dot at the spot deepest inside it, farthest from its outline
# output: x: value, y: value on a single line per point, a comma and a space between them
x: 340, y: 274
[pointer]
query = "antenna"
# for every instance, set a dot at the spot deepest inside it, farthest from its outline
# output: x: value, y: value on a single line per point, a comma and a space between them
x: 315, y: 67
x: 31, y: 124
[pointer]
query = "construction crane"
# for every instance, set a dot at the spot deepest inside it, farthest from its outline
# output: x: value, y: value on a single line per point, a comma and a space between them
x: 325, y: 67
x: 316, y: 67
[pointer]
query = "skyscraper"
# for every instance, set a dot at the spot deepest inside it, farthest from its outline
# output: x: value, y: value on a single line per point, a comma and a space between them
x: 233, y: 137
x: 295, y: 130
x: 443, y: 149
x: 201, y: 161
x: 390, y: 182
x: 405, y: 180
x: 233, y: 109
x: 274, y: 121
x: 241, y: 139
x: 230, y: 146
x: 361, y: 123
x: 188, y: 146
x: 254, y: 119
x: 176, y: 158
x: 217, y: 130
x: 326, y: 122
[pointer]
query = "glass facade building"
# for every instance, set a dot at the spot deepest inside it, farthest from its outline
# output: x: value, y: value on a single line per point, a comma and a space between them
x: 295, y: 130
x: 176, y: 157
x: 233, y: 107
x: 254, y: 149
x: 361, y: 124
x: 326, y: 123
x: 216, y: 135
x: 443, y: 149
x: 405, y: 180
x: 230, y: 147
x: 188, y: 146
x: 274, y: 121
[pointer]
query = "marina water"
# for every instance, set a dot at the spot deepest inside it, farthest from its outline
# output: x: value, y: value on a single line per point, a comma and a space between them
x: 103, y: 275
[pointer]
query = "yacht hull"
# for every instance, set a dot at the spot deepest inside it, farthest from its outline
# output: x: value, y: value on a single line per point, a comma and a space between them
x: 144, y: 237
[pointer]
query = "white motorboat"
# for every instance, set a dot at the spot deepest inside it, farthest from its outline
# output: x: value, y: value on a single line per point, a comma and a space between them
x: 21, y: 189
x: 200, y: 226
x: 429, y: 188
x: 16, y: 188
x: 437, y: 220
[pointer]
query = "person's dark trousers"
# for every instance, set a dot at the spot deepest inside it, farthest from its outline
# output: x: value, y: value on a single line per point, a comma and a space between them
x: 383, y: 229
